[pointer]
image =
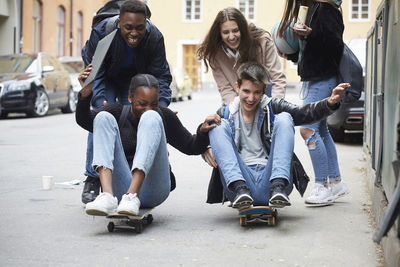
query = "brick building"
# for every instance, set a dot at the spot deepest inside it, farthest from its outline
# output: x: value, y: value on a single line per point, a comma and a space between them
x: 58, y: 27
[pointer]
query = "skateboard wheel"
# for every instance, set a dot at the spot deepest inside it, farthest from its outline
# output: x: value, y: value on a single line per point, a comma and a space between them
x: 275, y: 213
x: 110, y: 227
x: 243, y: 221
x: 149, y: 219
x: 138, y: 227
x: 272, y: 221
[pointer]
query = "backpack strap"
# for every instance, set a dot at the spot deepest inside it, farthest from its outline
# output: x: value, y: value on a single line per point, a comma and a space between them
x: 271, y: 115
x: 226, y: 112
x: 124, y: 115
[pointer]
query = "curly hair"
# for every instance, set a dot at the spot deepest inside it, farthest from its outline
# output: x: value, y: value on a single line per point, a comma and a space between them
x: 135, y: 6
x: 213, y: 40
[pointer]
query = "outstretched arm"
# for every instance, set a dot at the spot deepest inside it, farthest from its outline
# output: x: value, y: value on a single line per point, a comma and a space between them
x: 180, y: 138
x: 210, y: 123
x: 275, y: 69
x: 311, y: 112
x: 337, y: 94
x: 83, y: 115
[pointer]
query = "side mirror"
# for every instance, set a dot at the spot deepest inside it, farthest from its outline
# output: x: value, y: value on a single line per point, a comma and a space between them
x: 47, y: 69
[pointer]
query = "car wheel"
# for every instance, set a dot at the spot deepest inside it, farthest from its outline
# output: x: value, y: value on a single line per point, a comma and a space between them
x: 71, y: 104
x: 41, y: 105
x: 3, y: 115
x: 337, y: 134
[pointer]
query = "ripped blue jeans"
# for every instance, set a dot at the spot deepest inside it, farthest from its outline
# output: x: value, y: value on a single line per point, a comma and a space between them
x: 320, y: 145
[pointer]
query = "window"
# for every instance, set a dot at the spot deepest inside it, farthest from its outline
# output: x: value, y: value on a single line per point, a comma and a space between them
x: 192, y: 10
x: 247, y: 7
x: 60, y: 31
x: 37, y: 26
x: 79, y: 35
x: 359, y: 10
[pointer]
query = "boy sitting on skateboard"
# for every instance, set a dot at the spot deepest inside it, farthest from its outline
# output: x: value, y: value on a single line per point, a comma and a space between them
x: 253, y: 146
x: 132, y: 158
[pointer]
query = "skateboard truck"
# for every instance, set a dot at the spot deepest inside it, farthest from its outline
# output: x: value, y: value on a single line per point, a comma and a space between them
x: 258, y: 214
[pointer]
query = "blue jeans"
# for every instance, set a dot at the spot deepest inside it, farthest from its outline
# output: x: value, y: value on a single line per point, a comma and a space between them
x: 320, y: 145
x: 257, y: 177
x: 151, y: 157
x: 111, y: 96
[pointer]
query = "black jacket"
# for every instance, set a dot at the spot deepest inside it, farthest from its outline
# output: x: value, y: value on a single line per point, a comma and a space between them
x: 149, y: 57
x: 176, y: 134
x: 301, y: 115
x: 324, y: 46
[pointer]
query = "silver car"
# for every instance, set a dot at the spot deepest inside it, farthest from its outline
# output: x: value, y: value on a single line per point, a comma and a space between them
x: 34, y: 83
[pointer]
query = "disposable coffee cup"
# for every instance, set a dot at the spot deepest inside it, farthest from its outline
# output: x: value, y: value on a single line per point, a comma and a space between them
x: 301, y: 17
x: 47, y: 182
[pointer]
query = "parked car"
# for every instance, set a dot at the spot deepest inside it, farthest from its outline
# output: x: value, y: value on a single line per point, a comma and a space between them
x: 181, y: 85
x: 34, y: 83
x: 74, y: 65
x: 349, y: 118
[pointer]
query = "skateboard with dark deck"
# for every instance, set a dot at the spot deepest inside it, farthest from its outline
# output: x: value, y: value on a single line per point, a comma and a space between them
x: 123, y: 221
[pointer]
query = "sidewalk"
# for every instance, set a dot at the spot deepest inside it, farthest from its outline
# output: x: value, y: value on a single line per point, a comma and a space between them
x: 50, y: 227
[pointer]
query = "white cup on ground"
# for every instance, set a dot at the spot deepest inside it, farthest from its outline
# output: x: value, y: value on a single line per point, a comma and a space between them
x: 47, y: 182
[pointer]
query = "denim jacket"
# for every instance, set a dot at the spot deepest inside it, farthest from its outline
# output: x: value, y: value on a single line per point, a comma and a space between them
x: 233, y: 118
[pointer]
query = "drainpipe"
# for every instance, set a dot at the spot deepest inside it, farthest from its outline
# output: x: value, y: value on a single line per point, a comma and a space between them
x: 20, y: 26
x: 71, y: 36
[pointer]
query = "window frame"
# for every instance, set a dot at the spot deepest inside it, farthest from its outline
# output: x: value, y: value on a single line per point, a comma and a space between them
x: 61, y: 25
x: 192, y: 12
x: 79, y: 32
x: 359, y: 11
x: 247, y: 6
x: 37, y: 21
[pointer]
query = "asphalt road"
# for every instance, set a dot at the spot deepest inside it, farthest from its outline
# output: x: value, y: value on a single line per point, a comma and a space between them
x: 40, y: 228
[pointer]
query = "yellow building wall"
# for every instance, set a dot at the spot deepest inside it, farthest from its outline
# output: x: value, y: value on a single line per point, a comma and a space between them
x: 169, y: 19
x: 177, y: 32
x: 354, y: 30
x: 49, y: 24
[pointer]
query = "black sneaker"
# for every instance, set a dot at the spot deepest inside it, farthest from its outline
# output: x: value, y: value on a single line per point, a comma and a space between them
x: 91, y: 189
x: 243, y: 197
x: 278, y: 196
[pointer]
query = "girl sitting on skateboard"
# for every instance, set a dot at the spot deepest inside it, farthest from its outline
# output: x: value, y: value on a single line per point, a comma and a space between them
x: 253, y: 147
x: 131, y: 155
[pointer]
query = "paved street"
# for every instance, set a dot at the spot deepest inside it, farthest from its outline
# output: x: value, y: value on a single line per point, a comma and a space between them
x: 40, y: 228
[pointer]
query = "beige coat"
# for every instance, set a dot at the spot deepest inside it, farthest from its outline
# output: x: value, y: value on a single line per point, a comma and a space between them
x: 224, y: 70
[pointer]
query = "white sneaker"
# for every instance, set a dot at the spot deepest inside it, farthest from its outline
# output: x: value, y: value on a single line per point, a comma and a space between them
x: 129, y: 204
x: 103, y: 205
x: 320, y: 195
x: 338, y: 189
